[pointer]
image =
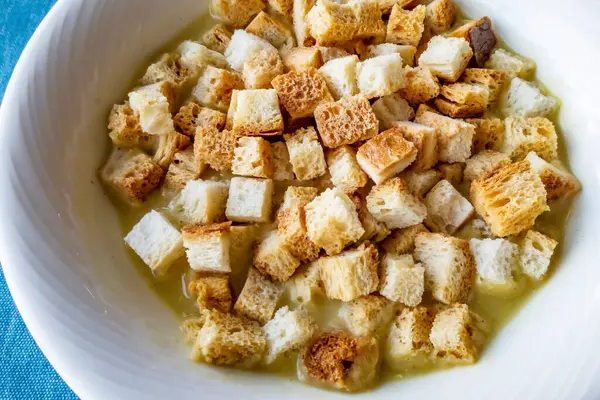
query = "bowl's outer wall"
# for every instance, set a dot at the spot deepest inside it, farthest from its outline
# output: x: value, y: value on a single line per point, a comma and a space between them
x: 106, y: 332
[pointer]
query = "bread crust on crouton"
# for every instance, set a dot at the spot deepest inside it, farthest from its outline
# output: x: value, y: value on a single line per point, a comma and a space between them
x: 124, y: 126
x: 420, y: 85
x: 425, y: 140
x: 212, y: 292
x: 302, y: 92
x: 215, y: 148
x: 274, y: 258
x: 259, y: 297
x: 402, y: 241
x: 406, y: 27
x: 237, y: 13
x: 452, y: 335
x: 217, y: 38
x: 252, y: 157
x: 489, y: 134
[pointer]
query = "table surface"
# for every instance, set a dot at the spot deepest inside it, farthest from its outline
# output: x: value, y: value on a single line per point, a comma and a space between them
x: 24, y: 373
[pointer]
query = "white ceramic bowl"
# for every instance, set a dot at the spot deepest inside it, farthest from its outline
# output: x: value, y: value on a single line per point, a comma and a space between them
x: 107, y: 333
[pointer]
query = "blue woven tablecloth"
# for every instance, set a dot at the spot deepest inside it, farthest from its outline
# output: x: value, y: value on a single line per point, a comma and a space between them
x: 24, y: 371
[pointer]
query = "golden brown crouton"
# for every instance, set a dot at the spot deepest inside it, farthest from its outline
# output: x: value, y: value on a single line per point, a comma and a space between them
x: 557, y: 181
x: 369, y: 23
x: 510, y: 198
x: 490, y: 79
x: 236, y: 12
x: 183, y: 169
x: 331, y: 53
x: 257, y: 112
x: 406, y: 27
x: 452, y: 335
x: 346, y: 121
x: 462, y: 100
x: 483, y: 163
x: 252, y: 157
x: 408, y: 345
x: 480, y: 36
x: 168, y: 69
x: 207, y: 247
x: 215, y: 86
x: 212, y: 292
x: 192, y: 115
x: 124, y: 126
x: 455, y: 137
x: 425, y: 140
x: 522, y: 135
x: 301, y: 58
x: 489, y: 133
x: 217, y: 38
x: 274, y: 32
x: 259, y: 297
x: 274, y: 258
x: 367, y: 315
x: 332, y: 23
x: 215, y: 148
x: 302, y: 92
x: 282, y: 7
x: 440, y: 15
x: 402, y: 241
x: 420, y: 85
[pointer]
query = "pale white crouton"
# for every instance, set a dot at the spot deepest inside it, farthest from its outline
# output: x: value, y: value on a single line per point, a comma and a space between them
x: 332, y: 221
x: 447, y: 57
x: 156, y: 242
x: 525, y: 99
x: 345, y: 172
x: 259, y: 297
x: 449, y: 269
x: 282, y: 168
x: 394, y: 204
x: 420, y: 183
x: 288, y: 331
x: 196, y: 56
x: 447, y: 209
x: 452, y: 335
x: 215, y: 86
x: 407, y: 52
x: 367, y: 315
x: 252, y: 157
x: 390, y: 109
x: 557, y: 182
x: 455, y: 137
x: 200, y: 202
x: 401, y: 279
x: 402, y: 241
x: 305, y: 285
x: 306, y: 154
x: 340, y: 74
x: 483, y: 163
x: 300, y: 9
x: 257, y: 112
x: 511, y: 64
x: 242, y: 47
x: 408, y: 346
x: 536, y: 253
x: 380, y: 76
x: 207, y: 247
x: 386, y: 155
x: 350, y: 274
x: 152, y: 105
x: 425, y: 140
x: 274, y: 258
x: 250, y: 200
x: 494, y: 259
x: 523, y: 135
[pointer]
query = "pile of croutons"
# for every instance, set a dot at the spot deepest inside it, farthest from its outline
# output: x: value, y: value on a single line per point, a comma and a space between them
x: 378, y: 156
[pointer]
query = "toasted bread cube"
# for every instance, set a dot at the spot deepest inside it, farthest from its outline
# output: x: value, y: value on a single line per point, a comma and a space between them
x: 536, y: 252
x: 449, y: 267
x: 425, y: 140
x: 481, y: 37
x: 407, y: 52
x: 257, y: 112
x: 332, y: 221
x: 421, y: 182
x: 301, y: 92
x: 244, y: 46
x: 447, y: 209
x: 393, y: 203
x: 476, y: 228
x: 489, y: 79
x: 494, y: 259
x: 196, y: 57
x: 217, y: 38
x: 306, y: 154
x: 226, y: 339
x: 387, y: 5
x: 236, y: 12
x: 390, y: 109
x: 452, y: 172
x: 302, y: 58
x: 527, y: 100
x: 511, y: 64
x: 261, y: 69
x: 340, y: 361
x: 212, y: 292
x: 350, y: 274
x: 557, y: 182
x: 523, y: 135
x: 268, y: 28
x: 207, y: 247
x: 259, y: 297
x: 420, y: 85
x: 332, y: 23
x: 440, y: 15
x: 402, y: 241
x: 366, y: 316
x: 168, y: 69
x: 191, y: 115
x: 305, y: 285
x: 455, y: 137
x: 408, y: 345
x: 291, y: 220
x: 124, y: 126
x: 331, y: 53
x: 380, y: 76
x: 152, y: 106
x: 156, y: 242
x: 252, y: 157
x: 346, y: 121
x: 401, y: 279
x: 274, y: 258
x: 215, y: 86
x: 166, y: 146
x: 301, y: 24
x: 369, y: 21
x: 183, y: 169
x: 250, y: 200
x: 282, y: 167
x: 406, y: 27
x: 510, y: 198
x: 483, y: 163
x: 375, y: 231
x: 281, y: 8
x: 210, y: 118
x: 288, y: 331
x: 345, y: 171
x: 447, y: 57
x: 200, y: 202
x: 340, y: 75
x: 462, y: 100
x: 454, y: 335
x: 489, y: 134
x: 215, y: 148
x: 242, y: 239
x: 131, y: 175
x: 386, y: 155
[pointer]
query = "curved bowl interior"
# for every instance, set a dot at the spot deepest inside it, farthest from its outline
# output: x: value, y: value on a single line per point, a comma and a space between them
x: 106, y: 331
